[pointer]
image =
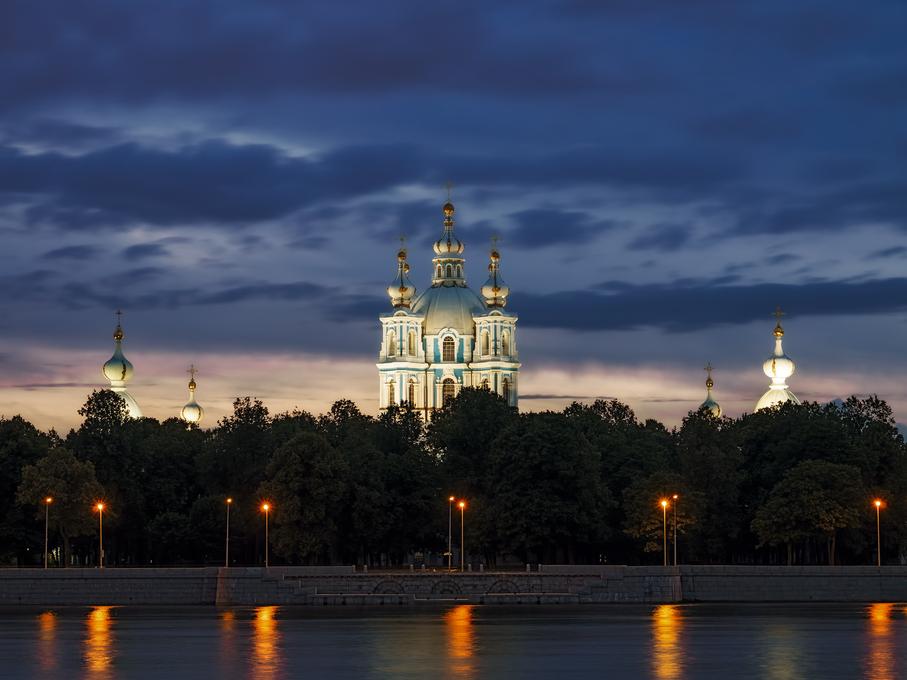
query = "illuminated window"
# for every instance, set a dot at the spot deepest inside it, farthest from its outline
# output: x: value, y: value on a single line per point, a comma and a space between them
x: 390, y: 393
x: 412, y: 343
x: 448, y: 389
x: 448, y: 349
x: 412, y: 392
x: 391, y: 344
x: 505, y: 389
x: 485, y: 343
x: 505, y: 344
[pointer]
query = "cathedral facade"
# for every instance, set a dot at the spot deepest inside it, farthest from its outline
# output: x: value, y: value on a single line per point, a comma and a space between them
x: 448, y: 337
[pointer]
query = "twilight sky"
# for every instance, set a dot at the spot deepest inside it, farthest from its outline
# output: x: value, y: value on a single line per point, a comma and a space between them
x: 664, y: 173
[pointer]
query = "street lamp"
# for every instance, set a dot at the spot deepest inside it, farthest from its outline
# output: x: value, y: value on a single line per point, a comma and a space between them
x: 664, y: 512
x: 675, y: 529
x: 878, y: 532
x: 227, y: 559
x: 100, y: 507
x: 450, y: 533
x: 462, y: 537
x: 47, y: 502
x: 266, y: 507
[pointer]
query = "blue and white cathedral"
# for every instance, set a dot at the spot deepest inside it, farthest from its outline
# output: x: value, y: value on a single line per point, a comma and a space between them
x: 448, y: 337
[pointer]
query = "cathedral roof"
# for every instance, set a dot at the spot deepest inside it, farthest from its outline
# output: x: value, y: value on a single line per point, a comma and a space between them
x: 449, y: 306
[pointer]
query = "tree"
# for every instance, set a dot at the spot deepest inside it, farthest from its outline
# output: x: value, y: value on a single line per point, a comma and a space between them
x: 813, y: 500
x: 234, y: 458
x: 645, y: 517
x: 21, y: 444
x: 74, y: 489
x: 305, y: 480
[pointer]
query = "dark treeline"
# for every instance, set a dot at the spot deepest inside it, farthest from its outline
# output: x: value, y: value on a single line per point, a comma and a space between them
x: 792, y: 484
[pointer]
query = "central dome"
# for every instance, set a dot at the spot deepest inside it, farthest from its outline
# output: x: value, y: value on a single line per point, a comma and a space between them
x: 449, y: 307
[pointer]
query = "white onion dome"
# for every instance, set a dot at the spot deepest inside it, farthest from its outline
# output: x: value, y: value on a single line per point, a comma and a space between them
x: 192, y: 412
x: 402, y: 290
x: 710, y: 404
x: 118, y: 368
x: 495, y: 291
x: 778, y: 367
x: 448, y: 243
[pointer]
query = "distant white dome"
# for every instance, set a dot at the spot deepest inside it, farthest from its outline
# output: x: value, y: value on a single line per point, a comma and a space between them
x: 118, y: 370
x: 778, y: 367
x: 132, y: 406
x: 192, y: 412
x: 449, y: 306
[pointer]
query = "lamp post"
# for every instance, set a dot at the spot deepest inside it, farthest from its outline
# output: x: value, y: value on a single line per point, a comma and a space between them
x: 664, y: 512
x: 227, y: 557
x: 100, y: 535
x: 675, y: 529
x: 266, y: 507
x: 878, y: 533
x: 46, y: 519
x: 450, y: 533
x: 462, y: 537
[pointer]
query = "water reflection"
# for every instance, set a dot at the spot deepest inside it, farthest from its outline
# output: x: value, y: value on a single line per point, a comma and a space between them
x: 461, y: 644
x: 99, y: 652
x: 228, y: 656
x: 47, y: 640
x: 266, y: 660
x: 667, y: 649
x: 880, y: 652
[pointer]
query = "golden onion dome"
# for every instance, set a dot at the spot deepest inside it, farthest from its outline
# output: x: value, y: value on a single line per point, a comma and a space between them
x: 448, y: 208
x: 495, y: 255
x: 401, y: 256
x: 118, y: 333
x: 778, y: 330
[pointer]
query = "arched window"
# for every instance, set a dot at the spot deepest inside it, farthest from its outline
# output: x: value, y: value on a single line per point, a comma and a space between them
x: 448, y: 390
x: 412, y: 343
x: 505, y: 389
x: 390, y: 393
x: 505, y: 344
x: 439, y: 271
x: 391, y: 344
x: 448, y: 349
x: 449, y: 274
x: 412, y: 392
x: 459, y: 272
x: 485, y: 384
x: 485, y: 343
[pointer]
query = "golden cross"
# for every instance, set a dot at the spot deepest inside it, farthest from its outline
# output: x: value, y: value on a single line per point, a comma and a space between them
x: 779, y: 313
x: 448, y: 186
x: 709, y: 368
x: 118, y: 317
x: 192, y: 371
x: 402, y: 240
x: 494, y: 242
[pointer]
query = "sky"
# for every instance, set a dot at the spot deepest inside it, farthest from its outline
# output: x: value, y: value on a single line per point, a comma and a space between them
x: 663, y: 173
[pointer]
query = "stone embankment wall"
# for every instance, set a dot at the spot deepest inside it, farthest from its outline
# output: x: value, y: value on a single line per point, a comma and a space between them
x: 548, y: 585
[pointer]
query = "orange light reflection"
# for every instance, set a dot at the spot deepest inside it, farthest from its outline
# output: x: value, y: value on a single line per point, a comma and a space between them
x: 667, y: 650
x: 229, y: 656
x: 266, y: 660
x: 47, y: 639
x: 461, y: 644
x: 99, y: 653
x: 880, y: 656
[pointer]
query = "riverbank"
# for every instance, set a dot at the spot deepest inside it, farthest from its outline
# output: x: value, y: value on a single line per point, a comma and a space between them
x: 549, y: 585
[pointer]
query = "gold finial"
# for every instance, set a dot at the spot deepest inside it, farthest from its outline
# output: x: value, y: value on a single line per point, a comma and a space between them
x: 403, y: 249
x: 448, y: 186
x: 709, y: 368
x: 192, y: 371
x: 778, y: 330
x: 495, y: 255
x: 118, y: 333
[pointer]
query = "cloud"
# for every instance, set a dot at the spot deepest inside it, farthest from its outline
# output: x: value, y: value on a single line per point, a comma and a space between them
x: 541, y: 227
x: 80, y: 253
x: 751, y: 125
x: 664, y: 237
x: 144, y: 250
x: 782, y: 258
x: 896, y: 251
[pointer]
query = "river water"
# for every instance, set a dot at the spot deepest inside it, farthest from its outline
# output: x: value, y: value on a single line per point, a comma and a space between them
x: 778, y: 641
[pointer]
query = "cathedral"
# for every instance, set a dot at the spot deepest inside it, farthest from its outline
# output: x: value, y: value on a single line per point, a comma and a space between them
x: 448, y: 337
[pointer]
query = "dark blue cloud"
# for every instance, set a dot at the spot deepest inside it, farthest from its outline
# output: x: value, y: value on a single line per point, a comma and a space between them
x: 144, y: 250
x: 664, y: 237
x: 895, y: 251
x: 541, y: 227
x: 73, y: 253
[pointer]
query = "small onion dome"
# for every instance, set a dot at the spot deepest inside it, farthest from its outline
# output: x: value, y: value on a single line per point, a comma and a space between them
x: 710, y: 404
x: 118, y: 368
x: 402, y: 290
x: 192, y: 412
x: 495, y: 291
x: 778, y: 367
x: 448, y: 243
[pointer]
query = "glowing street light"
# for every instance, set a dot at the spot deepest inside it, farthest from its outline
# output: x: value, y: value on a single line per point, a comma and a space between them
x: 462, y: 537
x: 450, y: 533
x: 47, y: 502
x: 227, y: 559
x: 878, y: 532
x: 100, y: 507
x: 664, y: 512
x: 266, y: 507
x: 675, y: 529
